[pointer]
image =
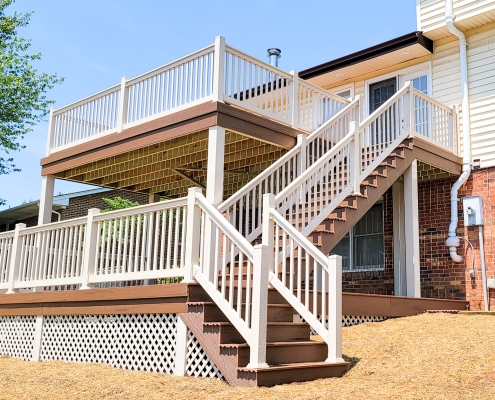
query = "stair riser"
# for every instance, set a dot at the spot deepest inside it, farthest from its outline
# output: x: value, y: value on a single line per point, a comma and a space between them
x: 286, y: 333
x: 294, y: 353
x: 274, y: 314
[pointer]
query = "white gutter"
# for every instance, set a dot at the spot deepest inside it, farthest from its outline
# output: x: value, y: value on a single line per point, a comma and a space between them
x: 453, y: 241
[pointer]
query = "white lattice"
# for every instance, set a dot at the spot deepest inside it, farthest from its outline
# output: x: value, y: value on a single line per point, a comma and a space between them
x: 350, y: 320
x: 17, y: 336
x: 134, y: 341
x: 199, y: 364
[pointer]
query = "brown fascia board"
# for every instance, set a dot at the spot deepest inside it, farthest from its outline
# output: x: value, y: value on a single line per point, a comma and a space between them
x: 369, y: 53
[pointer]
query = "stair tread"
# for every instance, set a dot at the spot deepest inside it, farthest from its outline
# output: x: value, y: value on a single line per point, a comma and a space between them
x: 268, y: 323
x: 277, y: 344
x: 281, y: 367
x: 196, y: 303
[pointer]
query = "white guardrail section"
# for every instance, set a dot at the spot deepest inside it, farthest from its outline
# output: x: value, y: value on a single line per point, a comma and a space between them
x: 223, y: 262
x: 316, y: 105
x: 284, y: 171
x: 145, y: 242
x: 215, y: 73
x: 139, y: 243
x: 310, y: 281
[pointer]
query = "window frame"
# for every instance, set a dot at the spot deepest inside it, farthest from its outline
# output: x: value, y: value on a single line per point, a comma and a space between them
x: 352, y: 235
x: 402, y: 75
x: 343, y: 88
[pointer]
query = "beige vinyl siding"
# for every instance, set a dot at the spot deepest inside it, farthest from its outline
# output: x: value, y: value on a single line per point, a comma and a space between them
x: 481, y: 78
x: 469, y: 14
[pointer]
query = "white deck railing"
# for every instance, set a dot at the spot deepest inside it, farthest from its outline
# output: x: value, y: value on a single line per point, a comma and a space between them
x: 215, y: 73
x: 244, y: 208
x: 145, y: 242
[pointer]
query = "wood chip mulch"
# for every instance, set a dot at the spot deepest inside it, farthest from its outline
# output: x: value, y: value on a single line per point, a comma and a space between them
x: 430, y: 356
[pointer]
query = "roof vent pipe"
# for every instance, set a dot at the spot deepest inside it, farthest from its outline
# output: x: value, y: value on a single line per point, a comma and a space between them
x: 274, y: 54
x: 453, y: 241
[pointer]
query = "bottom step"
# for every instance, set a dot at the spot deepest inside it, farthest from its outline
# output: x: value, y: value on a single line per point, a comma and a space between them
x: 288, y: 373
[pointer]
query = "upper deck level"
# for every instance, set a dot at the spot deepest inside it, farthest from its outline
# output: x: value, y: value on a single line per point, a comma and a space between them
x: 150, y: 133
x: 215, y: 73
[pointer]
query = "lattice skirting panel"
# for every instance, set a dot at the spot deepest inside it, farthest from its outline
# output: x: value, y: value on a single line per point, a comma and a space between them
x: 17, y: 336
x: 145, y: 342
x: 133, y: 341
x: 198, y: 362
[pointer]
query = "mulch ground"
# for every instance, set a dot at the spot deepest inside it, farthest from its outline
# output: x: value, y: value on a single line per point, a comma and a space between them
x: 430, y: 356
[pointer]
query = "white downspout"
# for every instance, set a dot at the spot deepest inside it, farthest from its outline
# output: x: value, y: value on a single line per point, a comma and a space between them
x: 453, y: 241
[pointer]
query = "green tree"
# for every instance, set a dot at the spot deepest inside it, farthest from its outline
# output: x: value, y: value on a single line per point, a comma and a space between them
x: 118, y: 203
x: 23, y: 102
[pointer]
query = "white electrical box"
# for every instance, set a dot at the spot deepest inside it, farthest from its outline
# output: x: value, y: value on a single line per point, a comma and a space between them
x: 491, y: 283
x: 473, y: 210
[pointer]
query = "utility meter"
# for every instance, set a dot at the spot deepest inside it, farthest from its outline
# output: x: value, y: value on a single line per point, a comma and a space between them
x: 473, y: 210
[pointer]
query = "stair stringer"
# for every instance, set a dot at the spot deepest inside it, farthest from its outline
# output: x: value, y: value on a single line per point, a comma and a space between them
x: 226, y: 358
x: 363, y: 204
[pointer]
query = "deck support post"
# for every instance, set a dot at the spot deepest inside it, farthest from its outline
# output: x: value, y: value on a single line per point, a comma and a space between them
x: 400, y: 288
x: 411, y: 223
x: 355, y: 163
x: 38, y: 331
x: 214, y: 190
x: 180, y: 368
x: 334, y: 339
x: 46, y: 199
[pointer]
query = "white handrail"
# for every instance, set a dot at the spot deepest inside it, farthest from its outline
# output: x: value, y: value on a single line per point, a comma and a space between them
x: 233, y: 233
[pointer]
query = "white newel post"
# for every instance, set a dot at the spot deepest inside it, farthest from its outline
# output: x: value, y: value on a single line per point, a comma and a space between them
x: 46, y: 199
x: 193, y: 223
x: 412, y: 119
x: 413, y: 285
x: 15, y: 258
x: 51, y: 132
x: 38, y: 332
x: 180, y: 367
x: 355, y: 154
x: 218, y: 68
x: 123, y: 104
x: 90, y: 248
x: 302, y: 165
x: 295, y: 99
x: 334, y: 340
x: 268, y: 229
x: 214, y: 190
x: 257, y: 342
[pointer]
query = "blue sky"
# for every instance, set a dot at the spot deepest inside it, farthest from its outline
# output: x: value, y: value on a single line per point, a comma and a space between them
x: 94, y: 43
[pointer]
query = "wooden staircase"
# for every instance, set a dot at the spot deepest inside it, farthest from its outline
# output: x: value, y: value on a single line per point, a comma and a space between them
x: 352, y: 209
x: 291, y: 355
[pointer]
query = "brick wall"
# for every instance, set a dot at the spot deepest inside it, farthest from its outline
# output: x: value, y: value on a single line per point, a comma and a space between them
x: 440, y: 276
x: 79, y: 206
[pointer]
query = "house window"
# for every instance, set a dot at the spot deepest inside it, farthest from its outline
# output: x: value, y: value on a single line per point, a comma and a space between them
x: 346, y: 94
x: 362, y: 248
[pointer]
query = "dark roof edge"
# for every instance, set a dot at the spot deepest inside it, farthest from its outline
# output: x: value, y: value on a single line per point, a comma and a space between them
x: 369, y: 53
